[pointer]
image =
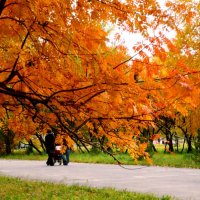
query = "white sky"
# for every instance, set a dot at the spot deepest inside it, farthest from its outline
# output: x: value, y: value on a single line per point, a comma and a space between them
x: 132, y: 39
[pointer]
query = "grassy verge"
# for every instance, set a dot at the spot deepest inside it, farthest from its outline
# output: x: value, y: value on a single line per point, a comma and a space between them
x: 22, y: 155
x: 159, y: 159
x: 17, y: 189
x: 184, y: 160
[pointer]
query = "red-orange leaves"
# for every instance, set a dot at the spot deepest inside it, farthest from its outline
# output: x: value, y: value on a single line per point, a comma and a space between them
x: 58, y: 68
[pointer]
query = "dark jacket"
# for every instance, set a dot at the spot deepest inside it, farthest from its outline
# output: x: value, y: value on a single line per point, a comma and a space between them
x: 50, y: 142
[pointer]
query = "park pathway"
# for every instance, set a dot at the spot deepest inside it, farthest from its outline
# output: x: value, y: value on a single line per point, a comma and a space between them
x: 180, y: 183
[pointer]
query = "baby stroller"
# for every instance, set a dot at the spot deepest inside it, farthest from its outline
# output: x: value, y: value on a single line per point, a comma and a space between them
x: 58, y: 155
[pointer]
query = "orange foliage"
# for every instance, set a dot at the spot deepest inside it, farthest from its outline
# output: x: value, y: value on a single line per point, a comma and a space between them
x: 58, y: 70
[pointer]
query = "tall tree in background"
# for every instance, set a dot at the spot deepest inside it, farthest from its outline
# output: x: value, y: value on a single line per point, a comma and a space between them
x: 56, y: 68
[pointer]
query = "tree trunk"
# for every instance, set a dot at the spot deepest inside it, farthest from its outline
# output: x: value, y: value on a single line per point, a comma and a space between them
x: 189, y: 143
x: 41, y: 141
x: 169, y: 142
x: 171, y: 148
x: 8, y: 139
x: 183, y: 146
x: 32, y: 145
x: 154, y: 148
x: 177, y: 146
x: 8, y: 145
x: 165, y: 147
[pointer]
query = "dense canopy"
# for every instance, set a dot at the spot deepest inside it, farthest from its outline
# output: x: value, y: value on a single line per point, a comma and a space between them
x: 58, y: 68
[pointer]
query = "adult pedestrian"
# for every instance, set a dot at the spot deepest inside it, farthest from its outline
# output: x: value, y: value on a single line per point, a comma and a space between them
x: 50, y: 147
x: 67, y: 153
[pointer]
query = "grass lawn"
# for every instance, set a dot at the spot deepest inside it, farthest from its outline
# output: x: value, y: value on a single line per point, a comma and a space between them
x: 17, y: 189
x: 159, y: 159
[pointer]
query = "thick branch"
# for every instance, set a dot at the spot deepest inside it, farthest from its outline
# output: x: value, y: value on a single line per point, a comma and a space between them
x: 2, y: 5
x: 13, y: 72
x: 96, y: 94
x: 71, y: 90
x: 19, y: 94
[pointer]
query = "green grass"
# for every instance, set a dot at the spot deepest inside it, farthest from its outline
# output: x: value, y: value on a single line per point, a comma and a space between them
x: 159, y: 159
x: 22, y: 155
x: 17, y: 189
x: 184, y: 160
x: 99, y: 157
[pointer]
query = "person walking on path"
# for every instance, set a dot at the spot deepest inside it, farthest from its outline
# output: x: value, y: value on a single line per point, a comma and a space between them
x: 50, y: 147
x: 67, y: 153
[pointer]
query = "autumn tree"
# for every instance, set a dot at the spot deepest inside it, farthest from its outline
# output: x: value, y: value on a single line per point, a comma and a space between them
x: 58, y: 69
x: 190, y: 128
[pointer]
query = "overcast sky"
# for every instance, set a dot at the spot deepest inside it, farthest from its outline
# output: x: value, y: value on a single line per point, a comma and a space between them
x: 131, y: 39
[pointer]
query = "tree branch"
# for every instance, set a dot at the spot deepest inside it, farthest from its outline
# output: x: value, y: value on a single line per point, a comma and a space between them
x: 2, y: 6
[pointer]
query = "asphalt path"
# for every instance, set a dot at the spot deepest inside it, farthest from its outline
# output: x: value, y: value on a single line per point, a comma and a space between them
x: 181, y: 183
